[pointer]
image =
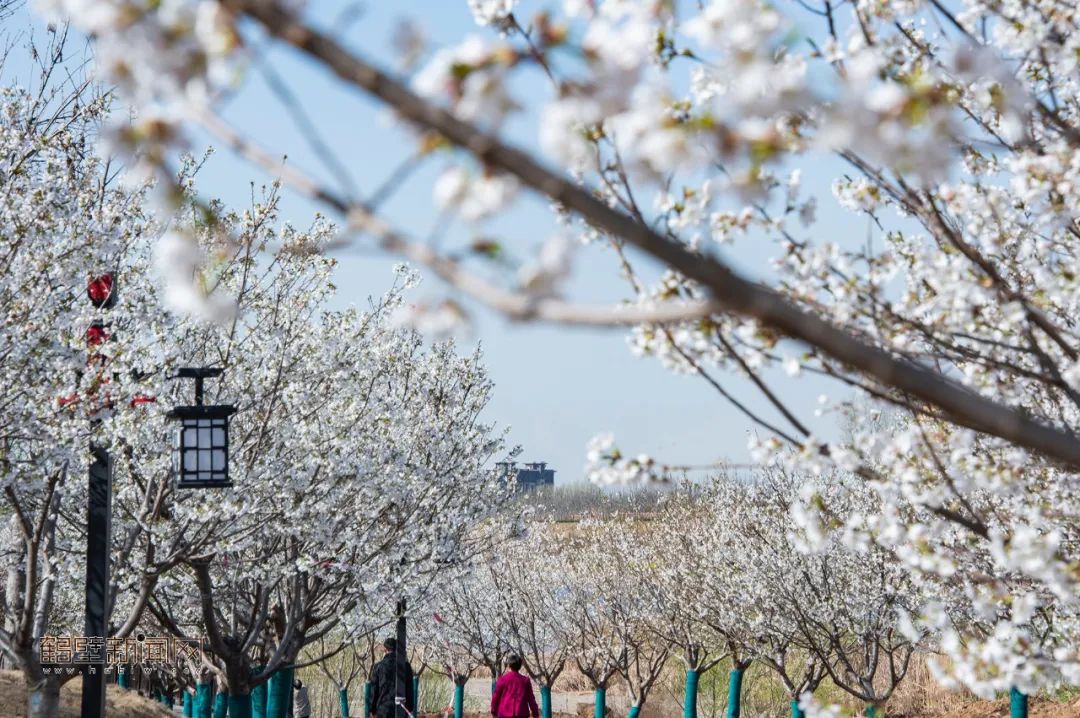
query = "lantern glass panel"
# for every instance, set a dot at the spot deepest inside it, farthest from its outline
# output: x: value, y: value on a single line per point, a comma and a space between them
x: 201, y: 453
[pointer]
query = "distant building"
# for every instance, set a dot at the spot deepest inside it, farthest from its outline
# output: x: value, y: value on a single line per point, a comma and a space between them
x: 532, y: 476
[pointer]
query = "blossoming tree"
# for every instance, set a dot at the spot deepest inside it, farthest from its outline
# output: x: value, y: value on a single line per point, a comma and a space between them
x: 689, y: 129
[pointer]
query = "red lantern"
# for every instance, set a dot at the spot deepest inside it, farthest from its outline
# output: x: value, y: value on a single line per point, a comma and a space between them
x: 96, y: 335
x: 102, y: 291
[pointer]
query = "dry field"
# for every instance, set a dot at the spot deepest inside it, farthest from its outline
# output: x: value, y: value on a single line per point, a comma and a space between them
x: 121, y: 703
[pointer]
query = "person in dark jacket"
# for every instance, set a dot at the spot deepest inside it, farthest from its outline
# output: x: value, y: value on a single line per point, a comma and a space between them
x: 392, y: 685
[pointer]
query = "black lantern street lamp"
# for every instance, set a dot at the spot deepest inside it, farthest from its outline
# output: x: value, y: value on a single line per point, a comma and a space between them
x: 201, y: 449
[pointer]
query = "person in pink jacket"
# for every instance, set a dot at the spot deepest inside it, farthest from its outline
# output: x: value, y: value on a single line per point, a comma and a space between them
x: 513, y: 696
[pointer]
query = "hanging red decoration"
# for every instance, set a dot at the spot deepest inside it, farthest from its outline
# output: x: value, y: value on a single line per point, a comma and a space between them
x: 102, y: 291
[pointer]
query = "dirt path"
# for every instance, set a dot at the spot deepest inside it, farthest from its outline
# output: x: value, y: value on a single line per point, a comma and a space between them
x: 571, y: 705
x: 479, y: 689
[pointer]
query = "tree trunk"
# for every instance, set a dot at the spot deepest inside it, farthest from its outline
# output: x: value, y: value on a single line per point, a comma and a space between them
x: 258, y: 697
x: 43, y: 699
x: 343, y: 702
x: 204, y: 701
x: 459, y: 699
x: 735, y: 693
x: 1018, y: 704
x: 13, y: 588
x: 545, y: 701
x: 600, y: 708
x: 279, y: 692
x: 221, y: 706
x: 690, y: 701
x: 240, y: 705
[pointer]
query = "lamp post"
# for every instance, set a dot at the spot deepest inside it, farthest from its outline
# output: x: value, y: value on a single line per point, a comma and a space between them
x: 201, y: 447
x: 401, y: 647
x: 101, y: 291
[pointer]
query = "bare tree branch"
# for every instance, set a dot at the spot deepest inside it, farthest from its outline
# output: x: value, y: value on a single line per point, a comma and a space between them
x: 733, y: 292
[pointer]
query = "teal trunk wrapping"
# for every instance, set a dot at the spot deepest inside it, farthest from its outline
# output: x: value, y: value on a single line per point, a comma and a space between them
x: 459, y: 700
x: 734, y: 694
x: 343, y: 702
x: 415, y: 694
x: 240, y: 706
x: 601, y: 703
x: 690, y: 701
x: 493, y: 687
x: 123, y: 679
x: 796, y: 711
x: 545, y: 701
x: 873, y: 712
x: 258, y: 697
x: 279, y: 692
x: 1018, y: 704
x: 221, y: 705
x: 204, y: 701
x: 189, y: 706
x: 367, y: 699
x: 634, y: 710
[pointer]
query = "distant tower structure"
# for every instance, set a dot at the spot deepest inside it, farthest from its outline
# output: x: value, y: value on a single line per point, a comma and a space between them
x: 534, y: 475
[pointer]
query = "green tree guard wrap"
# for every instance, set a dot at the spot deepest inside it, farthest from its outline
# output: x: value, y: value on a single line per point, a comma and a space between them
x: 258, y: 697
x: 123, y: 678
x: 1018, y: 704
x: 600, y: 704
x: 189, y: 704
x: 204, y: 701
x: 221, y: 705
x: 240, y: 706
x: 459, y: 700
x: 279, y: 692
x: 415, y: 708
x: 343, y: 702
x: 734, y: 696
x: 545, y: 701
x: 367, y: 699
x: 493, y: 681
x: 796, y: 711
x: 633, y: 712
x: 873, y: 712
x: 690, y: 701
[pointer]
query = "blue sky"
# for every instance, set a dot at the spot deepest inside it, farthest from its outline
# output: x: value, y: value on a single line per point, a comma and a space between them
x: 555, y: 387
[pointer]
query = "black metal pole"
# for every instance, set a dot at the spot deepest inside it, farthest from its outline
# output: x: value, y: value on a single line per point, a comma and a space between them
x: 98, y: 535
x: 402, y: 637
x: 402, y: 646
